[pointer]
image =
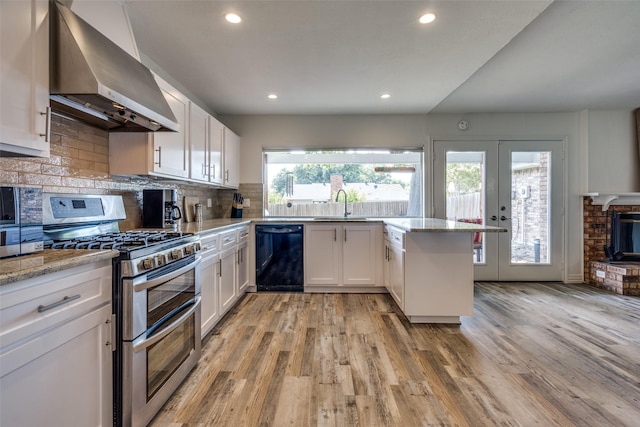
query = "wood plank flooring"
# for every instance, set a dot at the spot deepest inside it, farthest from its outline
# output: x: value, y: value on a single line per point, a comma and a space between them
x: 544, y: 354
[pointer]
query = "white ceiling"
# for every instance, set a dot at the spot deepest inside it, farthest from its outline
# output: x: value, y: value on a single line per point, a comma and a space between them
x: 338, y: 57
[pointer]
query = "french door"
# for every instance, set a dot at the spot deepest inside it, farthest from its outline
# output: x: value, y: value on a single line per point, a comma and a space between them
x: 517, y: 185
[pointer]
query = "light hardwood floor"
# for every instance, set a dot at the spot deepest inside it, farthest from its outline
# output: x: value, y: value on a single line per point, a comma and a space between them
x: 532, y: 354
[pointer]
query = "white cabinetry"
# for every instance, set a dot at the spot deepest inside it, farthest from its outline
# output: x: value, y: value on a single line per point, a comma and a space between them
x: 224, y: 272
x: 216, y: 136
x: 438, y: 274
x: 24, y: 78
x: 322, y: 254
x: 210, y: 287
x: 206, y: 135
x: 231, y: 159
x: 228, y: 294
x: 342, y: 254
x: 243, y: 259
x: 56, y: 349
x: 198, y: 143
x: 394, y: 267
x: 154, y: 153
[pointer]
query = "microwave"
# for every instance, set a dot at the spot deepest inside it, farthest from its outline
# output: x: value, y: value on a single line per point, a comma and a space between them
x: 20, y: 221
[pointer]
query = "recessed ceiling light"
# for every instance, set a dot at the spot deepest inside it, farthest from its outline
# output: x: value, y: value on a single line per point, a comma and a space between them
x: 272, y: 96
x: 427, y: 18
x: 233, y: 18
x: 385, y: 96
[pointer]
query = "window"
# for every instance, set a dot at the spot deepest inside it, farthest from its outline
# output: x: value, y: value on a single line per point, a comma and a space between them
x: 377, y: 183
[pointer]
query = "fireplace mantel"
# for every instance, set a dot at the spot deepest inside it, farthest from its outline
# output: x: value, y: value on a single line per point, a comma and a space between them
x: 608, y: 199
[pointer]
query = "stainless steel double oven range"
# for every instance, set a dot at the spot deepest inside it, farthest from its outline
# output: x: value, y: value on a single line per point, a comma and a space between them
x: 156, y: 298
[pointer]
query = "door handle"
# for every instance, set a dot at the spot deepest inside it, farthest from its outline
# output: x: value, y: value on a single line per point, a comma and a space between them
x: 504, y: 218
x: 494, y: 218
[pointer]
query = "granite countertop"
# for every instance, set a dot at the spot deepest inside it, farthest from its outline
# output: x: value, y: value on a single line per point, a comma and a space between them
x: 52, y: 260
x: 407, y: 224
x: 49, y: 261
x: 440, y: 225
x: 217, y: 224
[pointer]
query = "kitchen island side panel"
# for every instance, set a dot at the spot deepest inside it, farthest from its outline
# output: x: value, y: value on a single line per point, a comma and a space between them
x: 439, y: 274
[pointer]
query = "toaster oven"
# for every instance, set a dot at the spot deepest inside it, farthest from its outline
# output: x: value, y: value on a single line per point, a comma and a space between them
x: 20, y: 221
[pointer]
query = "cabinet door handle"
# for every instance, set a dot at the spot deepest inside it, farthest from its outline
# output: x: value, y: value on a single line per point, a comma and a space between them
x: 335, y: 235
x: 47, y: 131
x: 345, y: 235
x: 159, y: 151
x: 220, y: 267
x: 65, y: 300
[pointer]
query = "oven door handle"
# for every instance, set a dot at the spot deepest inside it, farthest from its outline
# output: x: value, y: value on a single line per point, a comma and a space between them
x: 146, y: 340
x: 146, y: 284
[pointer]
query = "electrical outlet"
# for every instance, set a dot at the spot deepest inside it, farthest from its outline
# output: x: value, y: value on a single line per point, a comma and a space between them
x: 209, y: 203
x: 246, y: 203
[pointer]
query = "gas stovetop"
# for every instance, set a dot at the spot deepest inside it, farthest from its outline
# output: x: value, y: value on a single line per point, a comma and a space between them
x: 126, y: 241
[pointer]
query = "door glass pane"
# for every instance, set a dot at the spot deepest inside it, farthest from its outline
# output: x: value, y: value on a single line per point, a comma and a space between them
x: 530, y: 207
x: 465, y: 192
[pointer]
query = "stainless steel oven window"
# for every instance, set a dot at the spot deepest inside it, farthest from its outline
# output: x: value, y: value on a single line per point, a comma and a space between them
x: 163, y: 299
x: 167, y: 355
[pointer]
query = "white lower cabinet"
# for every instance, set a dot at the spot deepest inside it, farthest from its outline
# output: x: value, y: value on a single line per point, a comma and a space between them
x: 224, y: 272
x: 243, y: 267
x: 209, y: 267
x: 394, y: 267
x: 227, y: 279
x: 342, y: 255
x: 56, y: 349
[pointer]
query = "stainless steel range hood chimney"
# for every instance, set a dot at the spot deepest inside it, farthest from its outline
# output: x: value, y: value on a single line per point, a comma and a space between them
x: 94, y: 80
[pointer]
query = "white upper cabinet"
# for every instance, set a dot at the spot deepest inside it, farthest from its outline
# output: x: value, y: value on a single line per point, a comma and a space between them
x: 170, y: 148
x: 198, y: 143
x: 24, y: 78
x: 216, y: 136
x: 154, y: 153
x: 231, y: 159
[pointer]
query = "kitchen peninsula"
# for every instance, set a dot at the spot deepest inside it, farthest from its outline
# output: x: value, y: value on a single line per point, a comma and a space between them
x: 428, y: 262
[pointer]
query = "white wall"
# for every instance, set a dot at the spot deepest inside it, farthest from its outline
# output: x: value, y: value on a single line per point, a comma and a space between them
x: 613, y: 159
x: 258, y: 132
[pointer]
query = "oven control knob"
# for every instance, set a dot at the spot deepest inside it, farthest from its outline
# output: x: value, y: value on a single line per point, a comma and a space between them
x: 161, y: 260
x: 197, y: 246
x: 176, y: 254
x: 148, y: 263
x: 189, y: 249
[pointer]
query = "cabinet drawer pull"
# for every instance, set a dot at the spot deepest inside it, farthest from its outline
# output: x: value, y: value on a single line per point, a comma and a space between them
x: 65, y: 300
x: 159, y: 162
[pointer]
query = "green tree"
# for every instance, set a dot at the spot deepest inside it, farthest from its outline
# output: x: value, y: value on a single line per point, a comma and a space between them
x: 310, y: 173
x: 354, y: 195
x: 466, y: 178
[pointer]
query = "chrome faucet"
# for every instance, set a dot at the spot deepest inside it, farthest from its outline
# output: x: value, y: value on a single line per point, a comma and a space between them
x: 346, y: 214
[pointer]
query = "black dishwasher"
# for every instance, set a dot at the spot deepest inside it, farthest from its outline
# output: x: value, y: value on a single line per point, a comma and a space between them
x: 279, y: 261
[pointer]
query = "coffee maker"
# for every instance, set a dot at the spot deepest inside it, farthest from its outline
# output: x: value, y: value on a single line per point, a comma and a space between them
x: 160, y: 209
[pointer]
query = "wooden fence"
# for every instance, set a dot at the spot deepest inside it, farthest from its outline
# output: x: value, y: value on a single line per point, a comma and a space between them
x: 357, y: 209
x: 466, y: 206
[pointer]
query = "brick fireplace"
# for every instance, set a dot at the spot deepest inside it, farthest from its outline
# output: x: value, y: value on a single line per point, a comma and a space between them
x: 622, y: 278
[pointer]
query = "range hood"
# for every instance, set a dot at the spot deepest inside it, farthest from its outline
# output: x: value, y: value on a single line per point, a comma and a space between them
x: 94, y: 80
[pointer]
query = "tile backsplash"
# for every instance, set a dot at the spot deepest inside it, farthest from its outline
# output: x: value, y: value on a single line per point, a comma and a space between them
x: 79, y: 163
